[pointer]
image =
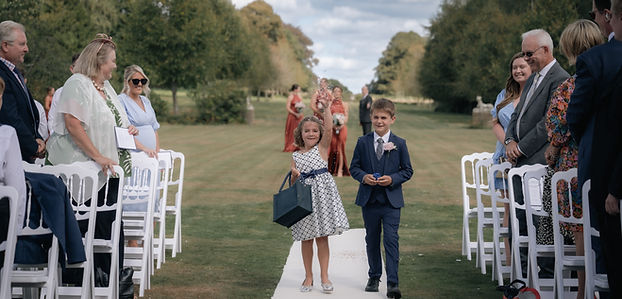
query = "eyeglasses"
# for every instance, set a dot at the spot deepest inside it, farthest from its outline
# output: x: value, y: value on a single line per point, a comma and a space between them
x: 141, y: 81
x: 528, y: 54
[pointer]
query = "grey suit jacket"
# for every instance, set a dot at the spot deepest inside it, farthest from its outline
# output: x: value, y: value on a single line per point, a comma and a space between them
x: 533, y: 135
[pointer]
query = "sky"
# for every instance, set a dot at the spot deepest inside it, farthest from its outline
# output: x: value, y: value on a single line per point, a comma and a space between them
x: 349, y: 35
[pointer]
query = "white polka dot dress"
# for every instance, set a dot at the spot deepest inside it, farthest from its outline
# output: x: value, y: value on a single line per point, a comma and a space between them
x: 328, y: 217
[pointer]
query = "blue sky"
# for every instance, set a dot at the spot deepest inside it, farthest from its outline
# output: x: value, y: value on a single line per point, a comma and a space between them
x: 350, y: 35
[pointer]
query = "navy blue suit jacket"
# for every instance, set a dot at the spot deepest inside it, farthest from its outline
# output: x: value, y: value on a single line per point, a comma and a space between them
x: 397, y: 166
x: 596, y: 70
x: 16, y: 112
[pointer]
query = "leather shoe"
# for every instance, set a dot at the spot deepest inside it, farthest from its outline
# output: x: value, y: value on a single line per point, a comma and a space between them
x: 393, y: 291
x: 372, y: 284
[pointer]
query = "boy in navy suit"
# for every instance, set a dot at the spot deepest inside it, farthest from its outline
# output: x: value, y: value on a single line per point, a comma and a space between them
x: 381, y: 164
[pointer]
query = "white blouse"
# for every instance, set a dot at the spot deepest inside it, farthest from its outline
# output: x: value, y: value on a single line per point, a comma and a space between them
x: 80, y: 99
x: 11, y: 170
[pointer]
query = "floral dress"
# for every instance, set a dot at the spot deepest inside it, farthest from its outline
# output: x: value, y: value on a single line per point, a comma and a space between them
x: 559, y: 136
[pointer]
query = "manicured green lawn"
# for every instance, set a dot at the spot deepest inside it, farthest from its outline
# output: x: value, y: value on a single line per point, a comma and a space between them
x: 231, y: 248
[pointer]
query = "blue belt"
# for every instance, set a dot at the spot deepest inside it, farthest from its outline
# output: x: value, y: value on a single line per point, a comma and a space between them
x: 312, y: 173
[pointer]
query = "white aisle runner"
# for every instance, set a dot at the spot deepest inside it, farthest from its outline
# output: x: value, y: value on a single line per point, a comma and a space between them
x: 347, y: 270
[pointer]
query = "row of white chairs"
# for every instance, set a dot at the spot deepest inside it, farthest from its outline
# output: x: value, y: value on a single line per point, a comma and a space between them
x: 150, y: 177
x: 478, y: 174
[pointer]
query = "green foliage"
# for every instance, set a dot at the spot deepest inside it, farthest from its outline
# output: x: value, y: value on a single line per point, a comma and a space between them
x: 472, y: 41
x: 160, y: 106
x: 396, y: 73
x: 219, y: 102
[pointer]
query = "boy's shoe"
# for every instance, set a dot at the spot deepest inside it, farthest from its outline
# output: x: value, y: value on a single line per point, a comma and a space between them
x: 372, y: 284
x: 393, y: 291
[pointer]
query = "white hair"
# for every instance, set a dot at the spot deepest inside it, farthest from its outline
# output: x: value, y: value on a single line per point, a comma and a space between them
x: 542, y: 37
x: 7, y: 30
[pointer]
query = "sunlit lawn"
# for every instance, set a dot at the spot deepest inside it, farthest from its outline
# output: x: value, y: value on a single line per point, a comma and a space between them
x: 231, y: 248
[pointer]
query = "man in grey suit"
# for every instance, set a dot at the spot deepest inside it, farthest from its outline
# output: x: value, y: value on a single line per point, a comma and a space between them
x: 526, y: 136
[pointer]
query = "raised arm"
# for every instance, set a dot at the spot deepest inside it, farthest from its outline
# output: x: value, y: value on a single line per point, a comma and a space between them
x: 324, y: 143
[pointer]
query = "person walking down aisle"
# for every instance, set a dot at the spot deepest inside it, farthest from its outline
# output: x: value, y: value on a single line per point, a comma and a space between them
x: 337, y: 162
x: 328, y: 218
x: 364, y: 110
x: 294, y: 108
x: 381, y: 164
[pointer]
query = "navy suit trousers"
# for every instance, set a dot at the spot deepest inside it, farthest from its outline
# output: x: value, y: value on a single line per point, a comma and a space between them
x: 380, y: 217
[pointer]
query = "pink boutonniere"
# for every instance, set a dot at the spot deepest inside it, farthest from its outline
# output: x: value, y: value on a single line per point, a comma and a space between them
x: 389, y: 146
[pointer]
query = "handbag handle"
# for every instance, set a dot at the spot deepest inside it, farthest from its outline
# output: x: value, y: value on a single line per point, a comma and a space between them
x: 287, y: 176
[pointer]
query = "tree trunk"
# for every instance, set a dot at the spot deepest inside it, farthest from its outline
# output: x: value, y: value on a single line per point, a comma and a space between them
x: 174, y: 92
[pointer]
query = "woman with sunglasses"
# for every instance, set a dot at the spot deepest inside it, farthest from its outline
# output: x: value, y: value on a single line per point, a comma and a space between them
x: 139, y: 110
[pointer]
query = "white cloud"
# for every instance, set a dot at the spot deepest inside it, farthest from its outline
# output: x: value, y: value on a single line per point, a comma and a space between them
x: 350, y: 35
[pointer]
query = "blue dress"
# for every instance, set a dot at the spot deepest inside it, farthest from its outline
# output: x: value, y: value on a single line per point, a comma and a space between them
x: 144, y: 121
x: 504, y: 116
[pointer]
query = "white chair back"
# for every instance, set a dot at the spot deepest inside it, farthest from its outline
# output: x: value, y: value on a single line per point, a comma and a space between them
x: 467, y: 170
x: 163, y: 176
x: 484, y: 213
x: 564, y: 183
x: 500, y: 269
x: 178, y: 162
x: 8, y: 246
x: 594, y: 282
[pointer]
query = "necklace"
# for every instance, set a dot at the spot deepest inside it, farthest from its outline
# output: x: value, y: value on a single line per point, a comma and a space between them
x: 98, y: 87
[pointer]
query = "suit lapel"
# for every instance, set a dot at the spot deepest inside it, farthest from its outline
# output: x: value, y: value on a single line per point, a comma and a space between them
x: 371, y: 152
x: 11, y: 75
x: 540, y: 87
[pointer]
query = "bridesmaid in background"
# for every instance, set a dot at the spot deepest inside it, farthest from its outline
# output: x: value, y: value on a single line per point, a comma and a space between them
x: 323, y: 94
x: 337, y: 162
x: 139, y: 110
x: 294, y: 108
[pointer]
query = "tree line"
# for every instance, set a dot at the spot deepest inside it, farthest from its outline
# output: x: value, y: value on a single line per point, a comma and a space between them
x: 472, y: 41
x: 181, y: 44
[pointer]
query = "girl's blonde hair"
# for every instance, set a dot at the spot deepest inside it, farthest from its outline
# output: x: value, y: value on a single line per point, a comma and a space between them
x: 129, y: 72
x: 298, y: 141
x: 94, y: 55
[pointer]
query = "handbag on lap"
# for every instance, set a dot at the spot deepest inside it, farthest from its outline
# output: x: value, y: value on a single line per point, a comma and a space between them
x: 292, y: 204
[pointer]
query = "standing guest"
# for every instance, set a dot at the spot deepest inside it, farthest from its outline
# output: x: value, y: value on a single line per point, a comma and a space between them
x: 90, y: 109
x: 593, y: 118
x: 294, y: 108
x: 19, y: 109
x: 501, y: 113
x: 562, y: 153
x: 322, y: 94
x: 337, y: 162
x: 381, y: 164
x: 139, y: 110
x: 601, y: 14
x: 364, y: 110
x: 328, y: 217
x: 11, y: 174
x: 526, y: 138
x: 57, y: 96
x: 49, y: 95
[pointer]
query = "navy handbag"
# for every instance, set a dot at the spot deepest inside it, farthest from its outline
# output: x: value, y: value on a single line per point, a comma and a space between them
x: 292, y: 204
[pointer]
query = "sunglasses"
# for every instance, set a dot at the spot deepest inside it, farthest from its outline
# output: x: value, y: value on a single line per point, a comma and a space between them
x: 136, y: 81
x: 528, y: 54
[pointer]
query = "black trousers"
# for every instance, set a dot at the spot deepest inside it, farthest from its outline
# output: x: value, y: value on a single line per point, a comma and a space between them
x: 366, y: 128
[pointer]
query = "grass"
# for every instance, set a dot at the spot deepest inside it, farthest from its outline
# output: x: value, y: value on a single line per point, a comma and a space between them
x: 231, y: 248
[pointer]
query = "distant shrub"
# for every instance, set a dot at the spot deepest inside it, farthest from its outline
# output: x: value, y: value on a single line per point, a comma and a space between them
x: 160, y: 107
x: 219, y: 102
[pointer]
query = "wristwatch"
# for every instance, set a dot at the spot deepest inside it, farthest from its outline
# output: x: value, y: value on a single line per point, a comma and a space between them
x: 507, y: 141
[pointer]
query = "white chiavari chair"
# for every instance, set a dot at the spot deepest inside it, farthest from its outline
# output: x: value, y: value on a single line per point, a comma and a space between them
x: 467, y: 169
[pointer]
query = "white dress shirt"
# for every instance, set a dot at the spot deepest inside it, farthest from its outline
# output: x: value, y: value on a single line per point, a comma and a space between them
x: 11, y: 169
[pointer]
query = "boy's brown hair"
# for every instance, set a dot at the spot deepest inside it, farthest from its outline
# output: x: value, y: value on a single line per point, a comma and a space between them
x: 383, y: 104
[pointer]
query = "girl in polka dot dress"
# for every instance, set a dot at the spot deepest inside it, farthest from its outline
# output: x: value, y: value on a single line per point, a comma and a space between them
x: 309, y: 164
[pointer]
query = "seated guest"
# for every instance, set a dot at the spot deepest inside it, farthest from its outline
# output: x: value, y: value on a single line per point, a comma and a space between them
x: 139, y: 110
x: 563, y: 151
x: 85, y: 117
x: 11, y: 174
